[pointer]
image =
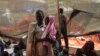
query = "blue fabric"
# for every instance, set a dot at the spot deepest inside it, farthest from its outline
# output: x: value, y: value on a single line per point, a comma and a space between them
x: 1, y: 47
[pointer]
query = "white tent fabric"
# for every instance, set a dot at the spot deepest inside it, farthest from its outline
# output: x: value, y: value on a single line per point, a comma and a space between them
x: 88, y: 18
x: 86, y: 22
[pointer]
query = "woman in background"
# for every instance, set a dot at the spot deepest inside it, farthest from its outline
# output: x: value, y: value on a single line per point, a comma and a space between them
x: 49, y: 35
x: 87, y: 49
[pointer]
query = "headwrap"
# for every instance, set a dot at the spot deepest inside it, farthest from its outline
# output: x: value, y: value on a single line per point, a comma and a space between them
x: 50, y: 28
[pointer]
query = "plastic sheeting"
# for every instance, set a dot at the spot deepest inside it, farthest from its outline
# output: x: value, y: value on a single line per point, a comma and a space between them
x: 88, y: 18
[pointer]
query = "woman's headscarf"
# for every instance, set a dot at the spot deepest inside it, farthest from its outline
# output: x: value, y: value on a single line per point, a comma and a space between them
x: 50, y: 28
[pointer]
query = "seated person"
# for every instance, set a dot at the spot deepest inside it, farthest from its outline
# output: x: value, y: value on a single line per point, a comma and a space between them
x: 87, y: 50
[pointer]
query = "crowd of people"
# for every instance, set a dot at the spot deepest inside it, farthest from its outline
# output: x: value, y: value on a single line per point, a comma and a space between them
x: 86, y: 50
x: 9, y: 48
x: 44, y: 39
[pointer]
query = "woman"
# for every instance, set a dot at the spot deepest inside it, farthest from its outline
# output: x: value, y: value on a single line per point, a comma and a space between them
x: 35, y: 31
x: 87, y: 49
x: 49, y: 35
x: 37, y: 43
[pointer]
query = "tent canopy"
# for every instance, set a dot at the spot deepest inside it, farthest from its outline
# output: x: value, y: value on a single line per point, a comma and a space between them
x: 87, y: 20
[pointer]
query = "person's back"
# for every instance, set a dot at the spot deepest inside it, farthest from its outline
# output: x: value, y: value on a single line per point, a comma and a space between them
x: 91, y: 53
x: 80, y: 52
x: 87, y: 50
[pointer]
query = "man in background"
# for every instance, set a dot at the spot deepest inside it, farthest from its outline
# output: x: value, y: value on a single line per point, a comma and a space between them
x: 63, y: 28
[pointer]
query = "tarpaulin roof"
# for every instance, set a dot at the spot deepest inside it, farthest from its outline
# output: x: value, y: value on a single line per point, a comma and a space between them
x: 86, y: 21
x: 88, y: 18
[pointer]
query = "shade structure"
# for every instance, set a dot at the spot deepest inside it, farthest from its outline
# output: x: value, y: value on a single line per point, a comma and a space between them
x: 85, y: 20
x: 88, y: 20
